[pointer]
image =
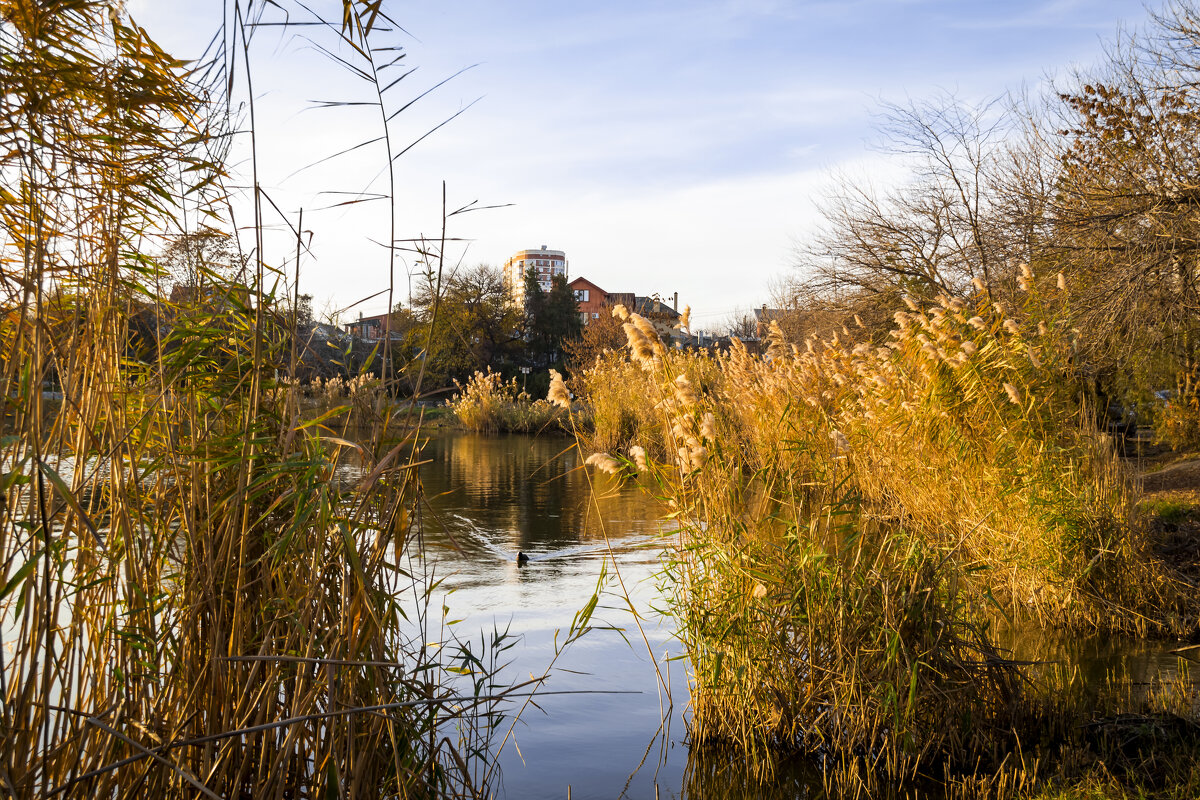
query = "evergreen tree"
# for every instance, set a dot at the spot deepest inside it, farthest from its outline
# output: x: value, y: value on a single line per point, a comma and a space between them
x: 551, y: 319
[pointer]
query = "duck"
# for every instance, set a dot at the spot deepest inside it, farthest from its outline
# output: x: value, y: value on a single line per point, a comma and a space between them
x: 522, y: 559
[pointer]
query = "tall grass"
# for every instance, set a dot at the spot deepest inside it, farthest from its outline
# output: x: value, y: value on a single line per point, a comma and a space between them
x: 852, y: 513
x: 488, y: 404
x: 200, y: 595
x: 613, y: 392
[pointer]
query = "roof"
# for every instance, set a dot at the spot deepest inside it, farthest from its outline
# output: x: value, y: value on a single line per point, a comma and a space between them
x: 592, y: 284
x: 621, y: 298
x: 541, y: 253
x: 765, y: 314
x: 323, y: 330
x: 650, y: 305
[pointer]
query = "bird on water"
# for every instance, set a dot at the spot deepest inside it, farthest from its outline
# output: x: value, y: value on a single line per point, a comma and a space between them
x: 522, y: 559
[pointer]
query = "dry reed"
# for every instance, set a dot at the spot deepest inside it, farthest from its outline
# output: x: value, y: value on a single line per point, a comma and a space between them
x: 201, y: 595
x: 852, y: 513
x: 488, y: 404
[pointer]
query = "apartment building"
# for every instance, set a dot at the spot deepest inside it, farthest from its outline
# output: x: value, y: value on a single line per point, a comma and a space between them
x: 544, y: 262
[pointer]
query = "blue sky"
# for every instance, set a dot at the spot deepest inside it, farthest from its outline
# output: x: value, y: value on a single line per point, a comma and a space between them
x: 665, y: 146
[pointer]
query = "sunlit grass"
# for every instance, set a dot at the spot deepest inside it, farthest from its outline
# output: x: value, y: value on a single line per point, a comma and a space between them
x: 852, y: 514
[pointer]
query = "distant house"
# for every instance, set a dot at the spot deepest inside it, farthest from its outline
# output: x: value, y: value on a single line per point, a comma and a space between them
x: 591, y: 299
x: 324, y: 351
x: 324, y: 332
x: 370, y: 329
x: 653, y: 308
x: 663, y: 317
x: 763, y: 317
x: 594, y: 301
x: 626, y: 299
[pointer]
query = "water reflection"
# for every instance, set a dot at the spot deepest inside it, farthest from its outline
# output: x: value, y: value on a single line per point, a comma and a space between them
x: 529, y: 494
x: 497, y: 496
x: 491, y: 498
x: 1095, y: 665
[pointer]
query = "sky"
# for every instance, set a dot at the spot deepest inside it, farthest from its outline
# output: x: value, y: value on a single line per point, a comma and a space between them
x: 666, y: 146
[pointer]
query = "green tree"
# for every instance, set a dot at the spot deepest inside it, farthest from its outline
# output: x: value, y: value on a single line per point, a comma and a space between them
x: 473, y: 328
x: 551, y: 319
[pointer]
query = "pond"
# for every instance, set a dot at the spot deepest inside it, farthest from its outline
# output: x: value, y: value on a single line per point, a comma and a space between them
x: 616, y: 732
x: 494, y: 497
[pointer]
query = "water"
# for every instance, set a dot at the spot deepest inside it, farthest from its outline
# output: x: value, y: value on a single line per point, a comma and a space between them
x: 612, y: 722
x: 491, y: 498
x: 494, y: 497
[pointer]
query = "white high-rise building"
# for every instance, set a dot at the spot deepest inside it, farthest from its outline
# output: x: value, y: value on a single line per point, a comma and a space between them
x: 546, y: 263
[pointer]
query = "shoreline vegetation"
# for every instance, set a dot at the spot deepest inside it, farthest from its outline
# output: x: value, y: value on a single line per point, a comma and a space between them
x: 204, y: 593
x: 213, y: 583
x: 854, y: 519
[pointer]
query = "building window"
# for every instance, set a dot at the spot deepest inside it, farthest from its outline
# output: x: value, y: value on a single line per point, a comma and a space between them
x: 595, y: 315
x: 581, y: 295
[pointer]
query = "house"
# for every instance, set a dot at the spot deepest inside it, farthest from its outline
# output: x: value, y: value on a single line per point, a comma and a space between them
x: 626, y: 299
x: 370, y: 329
x: 324, y: 332
x: 663, y: 317
x: 591, y: 299
x: 763, y: 317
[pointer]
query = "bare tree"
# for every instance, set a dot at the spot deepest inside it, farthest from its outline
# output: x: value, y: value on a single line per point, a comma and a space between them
x: 740, y: 324
x: 202, y: 257
x: 962, y: 217
x: 804, y: 310
x: 1126, y: 209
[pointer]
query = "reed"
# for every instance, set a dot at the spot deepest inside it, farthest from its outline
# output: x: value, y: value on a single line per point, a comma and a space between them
x: 851, y: 514
x: 613, y: 411
x: 203, y: 594
x: 488, y: 404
